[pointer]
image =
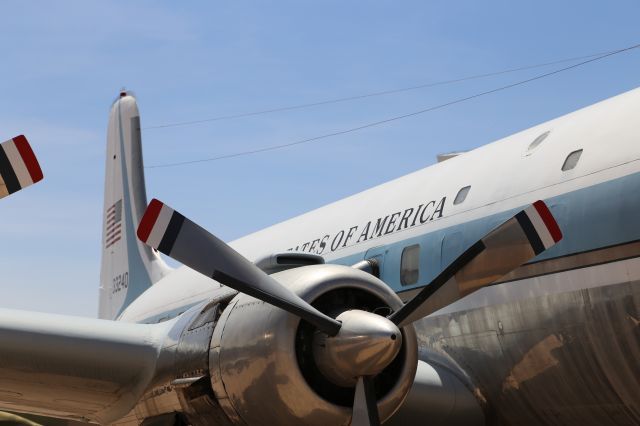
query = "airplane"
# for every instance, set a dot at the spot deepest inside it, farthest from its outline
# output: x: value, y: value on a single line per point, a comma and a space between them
x: 451, y: 295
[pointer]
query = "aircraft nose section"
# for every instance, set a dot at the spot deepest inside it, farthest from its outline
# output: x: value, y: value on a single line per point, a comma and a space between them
x: 364, y: 346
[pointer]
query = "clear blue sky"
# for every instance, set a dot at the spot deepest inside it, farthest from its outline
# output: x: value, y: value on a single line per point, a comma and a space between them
x: 64, y: 62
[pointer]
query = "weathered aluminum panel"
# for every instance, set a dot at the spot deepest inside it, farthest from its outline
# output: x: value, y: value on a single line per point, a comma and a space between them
x: 564, y: 358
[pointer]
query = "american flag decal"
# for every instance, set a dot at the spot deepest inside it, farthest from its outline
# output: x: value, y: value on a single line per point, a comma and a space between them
x: 114, y: 219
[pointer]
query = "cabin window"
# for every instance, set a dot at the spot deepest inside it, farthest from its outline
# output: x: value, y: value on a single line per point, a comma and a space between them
x: 410, y: 265
x: 537, y: 141
x: 572, y: 160
x: 462, y: 195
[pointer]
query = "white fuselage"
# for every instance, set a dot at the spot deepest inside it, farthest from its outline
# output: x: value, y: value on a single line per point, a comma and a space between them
x: 553, y: 342
x: 503, y: 176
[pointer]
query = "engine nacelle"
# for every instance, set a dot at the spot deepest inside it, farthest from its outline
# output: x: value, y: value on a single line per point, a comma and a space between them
x: 261, y: 361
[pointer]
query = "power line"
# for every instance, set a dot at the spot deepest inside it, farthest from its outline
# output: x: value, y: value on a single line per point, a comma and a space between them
x: 399, y: 117
x: 373, y: 94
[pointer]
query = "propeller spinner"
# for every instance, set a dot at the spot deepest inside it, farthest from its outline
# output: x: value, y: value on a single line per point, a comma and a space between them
x: 356, y: 346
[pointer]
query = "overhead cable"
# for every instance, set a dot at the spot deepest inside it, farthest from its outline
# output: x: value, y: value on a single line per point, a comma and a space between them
x: 373, y: 94
x: 391, y: 119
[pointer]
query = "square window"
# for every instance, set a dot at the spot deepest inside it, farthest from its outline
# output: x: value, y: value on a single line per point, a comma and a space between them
x: 572, y: 160
x: 462, y: 195
x: 410, y: 265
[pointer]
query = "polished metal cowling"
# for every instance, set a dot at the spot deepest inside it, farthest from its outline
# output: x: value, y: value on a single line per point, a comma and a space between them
x: 256, y: 357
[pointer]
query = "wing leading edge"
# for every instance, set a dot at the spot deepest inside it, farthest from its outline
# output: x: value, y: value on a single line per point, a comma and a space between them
x: 76, y: 368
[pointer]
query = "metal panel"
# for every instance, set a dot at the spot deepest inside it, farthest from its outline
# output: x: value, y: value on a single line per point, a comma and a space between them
x: 568, y: 358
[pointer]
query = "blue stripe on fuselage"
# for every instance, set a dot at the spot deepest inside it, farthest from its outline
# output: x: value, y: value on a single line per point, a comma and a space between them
x: 598, y: 216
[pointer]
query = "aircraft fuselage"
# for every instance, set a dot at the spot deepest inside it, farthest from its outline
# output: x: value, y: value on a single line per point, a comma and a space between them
x: 554, y: 342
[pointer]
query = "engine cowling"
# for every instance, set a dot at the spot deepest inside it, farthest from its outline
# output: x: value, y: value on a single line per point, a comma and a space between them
x: 261, y: 359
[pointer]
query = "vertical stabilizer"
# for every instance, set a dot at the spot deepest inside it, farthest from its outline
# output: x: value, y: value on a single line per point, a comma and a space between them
x: 128, y: 266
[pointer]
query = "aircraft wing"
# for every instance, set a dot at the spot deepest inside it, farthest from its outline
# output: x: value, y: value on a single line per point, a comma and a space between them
x: 78, y: 368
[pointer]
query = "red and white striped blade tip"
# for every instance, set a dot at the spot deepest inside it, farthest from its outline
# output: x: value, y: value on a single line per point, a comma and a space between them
x: 19, y: 166
x: 147, y: 225
x: 544, y: 223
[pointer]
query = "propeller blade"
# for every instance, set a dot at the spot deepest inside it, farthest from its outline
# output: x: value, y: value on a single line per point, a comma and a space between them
x: 171, y: 233
x: 519, y: 239
x: 365, y: 406
x: 19, y: 167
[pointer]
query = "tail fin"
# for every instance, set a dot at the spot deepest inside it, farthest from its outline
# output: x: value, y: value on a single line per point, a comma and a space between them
x: 128, y: 266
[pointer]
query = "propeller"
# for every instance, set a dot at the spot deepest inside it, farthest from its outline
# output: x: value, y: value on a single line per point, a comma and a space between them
x: 365, y: 406
x: 171, y: 233
x: 519, y: 239
x: 19, y: 167
x: 357, y: 345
